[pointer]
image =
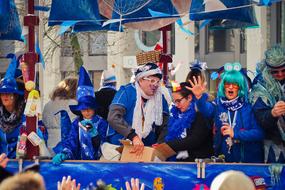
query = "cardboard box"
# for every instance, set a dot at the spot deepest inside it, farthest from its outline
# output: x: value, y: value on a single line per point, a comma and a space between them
x: 149, y: 154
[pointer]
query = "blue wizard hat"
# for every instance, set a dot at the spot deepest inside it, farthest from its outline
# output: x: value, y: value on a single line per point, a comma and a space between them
x: 85, y: 94
x: 8, y: 84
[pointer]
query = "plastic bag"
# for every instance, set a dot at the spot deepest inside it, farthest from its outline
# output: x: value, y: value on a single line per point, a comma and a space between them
x: 74, y: 10
x: 241, y: 10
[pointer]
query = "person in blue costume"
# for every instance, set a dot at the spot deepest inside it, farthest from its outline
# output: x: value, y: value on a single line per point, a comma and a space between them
x: 12, y: 107
x: 268, y: 100
x: 139, y: 111
x: 88, y: 131
x: 189, y: 132
x: 238, y: 136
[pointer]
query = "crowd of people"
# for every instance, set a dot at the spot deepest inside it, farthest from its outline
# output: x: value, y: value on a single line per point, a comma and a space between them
x: 245, y: 122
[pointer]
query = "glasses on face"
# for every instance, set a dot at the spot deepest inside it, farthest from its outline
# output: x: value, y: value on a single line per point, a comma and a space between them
x: 152, y: 81
x: 234, y: 86
x: 178, y: 101
x: 277, y: 71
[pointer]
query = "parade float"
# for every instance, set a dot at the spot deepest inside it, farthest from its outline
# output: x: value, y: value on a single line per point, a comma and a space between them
x: 116, y: 15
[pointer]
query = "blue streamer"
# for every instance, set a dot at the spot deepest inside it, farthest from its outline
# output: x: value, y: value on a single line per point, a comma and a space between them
x: 66, y: 25
x: 158, y: 14
x: 38, y: 51
x: 180, y: 24
x: 42, y: 8
x: 204, y: 23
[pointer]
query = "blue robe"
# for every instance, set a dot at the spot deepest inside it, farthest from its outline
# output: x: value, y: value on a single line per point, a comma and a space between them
x: 248, y: 135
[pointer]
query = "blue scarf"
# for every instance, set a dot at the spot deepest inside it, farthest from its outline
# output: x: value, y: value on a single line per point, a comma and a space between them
x: 179, y: 121
x: 232, y: 105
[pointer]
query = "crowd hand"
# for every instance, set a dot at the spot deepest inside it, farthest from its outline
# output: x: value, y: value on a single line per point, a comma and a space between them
x: 59, y: 158
x: 197, y: 87
x: 135, y: 185
x: 3, y: 160
x: 227, y: 130
x: 67, y: 184
x: 138, y: 146
x: 278, y: 109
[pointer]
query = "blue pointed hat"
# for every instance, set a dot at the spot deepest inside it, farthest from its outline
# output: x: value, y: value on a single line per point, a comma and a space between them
x: 8, y: 84
x: 85, y: 93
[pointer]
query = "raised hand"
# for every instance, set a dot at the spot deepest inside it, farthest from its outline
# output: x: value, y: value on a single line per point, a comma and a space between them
x: 68, y: 184
x: 198, y: 88
x: 135, y: 185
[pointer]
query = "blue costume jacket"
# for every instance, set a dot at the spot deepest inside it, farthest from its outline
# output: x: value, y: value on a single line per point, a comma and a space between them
x: 8, y: 141
x: 80, y: 145
x: 126, y: 98
x: 248, y: 136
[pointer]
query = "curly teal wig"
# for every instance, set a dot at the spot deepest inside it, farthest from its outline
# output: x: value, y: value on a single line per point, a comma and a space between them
x: 275, y: 57
x: 235, y: 76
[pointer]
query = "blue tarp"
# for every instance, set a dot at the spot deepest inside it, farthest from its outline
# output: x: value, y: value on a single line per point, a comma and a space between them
x: 174, y: 175
x: 241, y: 10
x: 10, y: 28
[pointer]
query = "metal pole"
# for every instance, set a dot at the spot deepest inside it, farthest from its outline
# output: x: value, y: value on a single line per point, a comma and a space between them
x: 31, y: 58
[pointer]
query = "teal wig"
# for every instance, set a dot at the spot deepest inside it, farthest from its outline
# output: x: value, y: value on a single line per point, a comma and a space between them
x: 235, y: 76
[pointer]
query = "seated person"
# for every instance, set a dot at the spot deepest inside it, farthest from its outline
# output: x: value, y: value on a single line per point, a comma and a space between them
x: 88, y: 130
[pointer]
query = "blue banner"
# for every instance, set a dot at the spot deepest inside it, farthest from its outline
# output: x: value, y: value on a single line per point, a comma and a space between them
x: 174, y: 175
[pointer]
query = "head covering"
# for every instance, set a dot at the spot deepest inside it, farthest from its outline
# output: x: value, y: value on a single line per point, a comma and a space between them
x: 198, y: 65
x: 85, y: 93
x: 275, y: 57
x: 8, y: 83
x: 232, y: 180
x: 108, y: 76
x: 148, y: 69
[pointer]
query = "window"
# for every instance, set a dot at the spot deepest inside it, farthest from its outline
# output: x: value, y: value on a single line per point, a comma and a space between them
x: 211, y: 84
x: 220, y: 41
x: 95, y: 77
x: 97, y: 43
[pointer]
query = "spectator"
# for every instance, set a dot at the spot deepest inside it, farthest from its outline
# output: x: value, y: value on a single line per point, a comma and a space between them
x: 24, y: 181
x: 62, y: 96
x: 139, y: 111
x: 189, y: 132
x: 268, y: 100
x: 232, y: 180
x: 238, y: 136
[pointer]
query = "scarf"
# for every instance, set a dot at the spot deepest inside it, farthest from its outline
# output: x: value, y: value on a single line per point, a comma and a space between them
x: 232, y: 105
x: 151, y: 112
x: 178, y: 121
x: 9, y: 121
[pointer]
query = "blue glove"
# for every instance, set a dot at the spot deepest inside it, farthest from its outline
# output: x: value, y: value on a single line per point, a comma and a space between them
x: 59, y: 158
x: 91, y: 129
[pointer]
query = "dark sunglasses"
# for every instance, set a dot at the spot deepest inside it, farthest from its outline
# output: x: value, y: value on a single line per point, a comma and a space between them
x: 274, y: 72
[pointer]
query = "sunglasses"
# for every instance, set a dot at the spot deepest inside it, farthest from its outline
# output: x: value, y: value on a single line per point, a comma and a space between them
x: 152, y: 81
x: 277, y: 71
x: 234, y: 86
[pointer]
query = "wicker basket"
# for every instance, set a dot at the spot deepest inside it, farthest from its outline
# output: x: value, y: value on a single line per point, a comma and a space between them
x: 147, y: 57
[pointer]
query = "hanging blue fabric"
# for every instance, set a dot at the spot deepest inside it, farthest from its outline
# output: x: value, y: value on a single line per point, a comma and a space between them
x: 267, y: 2
x: 10, y: 28
x: 219, y: 24
x: 138, y: 10
x: 241, y: 10
x: 85, y: 11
